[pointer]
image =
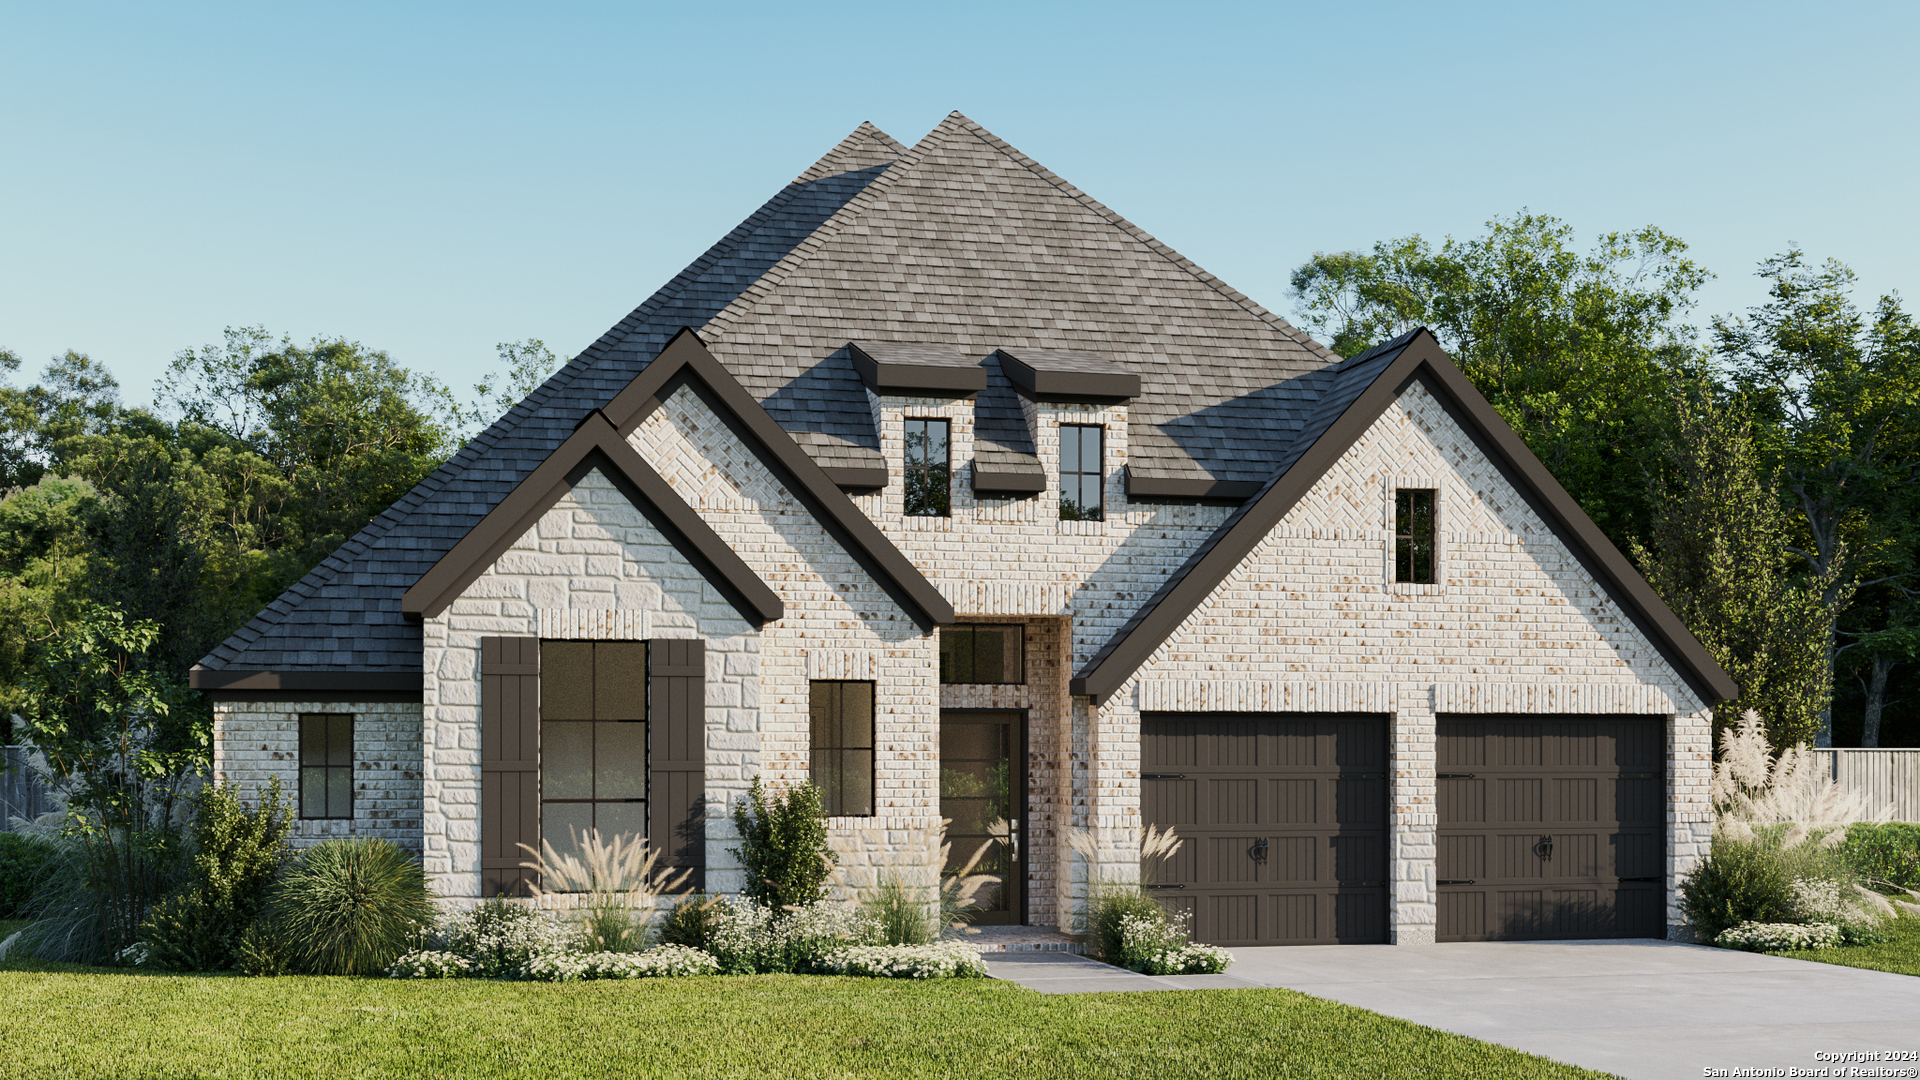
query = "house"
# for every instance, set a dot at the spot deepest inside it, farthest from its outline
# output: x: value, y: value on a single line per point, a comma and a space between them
x: 941, y: 484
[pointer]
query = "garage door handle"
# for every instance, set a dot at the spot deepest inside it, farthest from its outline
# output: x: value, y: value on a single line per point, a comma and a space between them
x: 1544, y: 849
x: 1258, y: 851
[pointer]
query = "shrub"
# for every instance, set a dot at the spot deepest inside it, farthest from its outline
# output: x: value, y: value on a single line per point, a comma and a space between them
x: 96, y: 890
x: 24, y: 860
x: 748, y: 937
x: 234, y: 856
x: 1888, y: 852
x: 499, y: 937
x: 666, y: 961
x: 945, y: 960
x: 350, y: 907
x: 1156, y: 944
x: 260, y: 952
x: 428, y: 964
x: 1824, y: 900
x: 1779, y: 937
x: 1752, y: 881
x: 690, y: 922
x: 783, y: 845
x: 1107, y: 911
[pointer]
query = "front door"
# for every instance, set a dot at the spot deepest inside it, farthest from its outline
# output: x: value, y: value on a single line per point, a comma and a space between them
x: 983, y: 794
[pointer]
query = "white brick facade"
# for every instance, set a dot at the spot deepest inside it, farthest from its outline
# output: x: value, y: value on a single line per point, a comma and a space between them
x: 1310, y: 621
x: 255, y: 743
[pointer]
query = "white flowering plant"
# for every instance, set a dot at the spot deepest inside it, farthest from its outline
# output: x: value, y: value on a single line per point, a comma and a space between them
x: 1158, y: 945
x: 748, y: 937
x: 942, y: 960
x: 1856, y: 911
x: 499, y: 937
x: 1779, y: 937
x: 430, y: 964
x: 665, y: 961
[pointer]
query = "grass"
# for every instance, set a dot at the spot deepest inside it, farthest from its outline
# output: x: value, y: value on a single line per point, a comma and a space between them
x: 64, y: 1021
x: 1899, y: 954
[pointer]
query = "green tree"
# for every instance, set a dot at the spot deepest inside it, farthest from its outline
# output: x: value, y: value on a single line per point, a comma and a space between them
x: 46, y: 563
x: 527, y: 365
x: 1717, y: 553
x: 1575, y: 351
x: 1838, y: 390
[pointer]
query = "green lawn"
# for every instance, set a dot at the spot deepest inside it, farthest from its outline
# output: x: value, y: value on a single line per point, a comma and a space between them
x: 1900, y: 954
x: 98, y: 1023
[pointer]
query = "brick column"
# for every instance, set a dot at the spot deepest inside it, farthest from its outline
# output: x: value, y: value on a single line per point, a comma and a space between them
x: 1413, y: 819
x: 1689, y: 807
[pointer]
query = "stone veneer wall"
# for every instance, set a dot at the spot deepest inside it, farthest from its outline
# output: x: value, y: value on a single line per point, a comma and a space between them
x: 593, y: 567
x: 255, y: 742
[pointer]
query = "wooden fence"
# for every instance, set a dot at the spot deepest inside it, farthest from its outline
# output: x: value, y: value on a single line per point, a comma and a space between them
x: 1883, y: 775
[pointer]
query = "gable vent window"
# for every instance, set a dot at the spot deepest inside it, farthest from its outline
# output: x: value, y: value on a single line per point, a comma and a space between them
x: 1413, y: 536
x: 843, y: 746
x: 927, y: 468
x: 1082, y: 474
x: 326, y: 766
x: 982, y: 654
x: 593, y: 741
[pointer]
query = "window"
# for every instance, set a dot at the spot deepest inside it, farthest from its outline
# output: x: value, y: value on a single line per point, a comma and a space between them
x: 1413, y: 535
x: 593, y: 741
x: 843, y: 747
x: 1081, y: 475
x: 326, y: 766
x: 927, y: 468
x: 982, y: 654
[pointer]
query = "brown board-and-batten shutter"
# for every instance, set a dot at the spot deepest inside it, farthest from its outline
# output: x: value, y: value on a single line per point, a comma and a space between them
x: 677, y: 723
x: 509, y: 763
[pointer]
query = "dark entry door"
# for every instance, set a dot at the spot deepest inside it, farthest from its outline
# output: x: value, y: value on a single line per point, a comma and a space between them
x: 1552, y: 827
x: 1284, y: 823
x: 983, y: 792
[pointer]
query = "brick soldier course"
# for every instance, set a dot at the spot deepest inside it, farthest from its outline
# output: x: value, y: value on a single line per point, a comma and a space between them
x: 727, y: 466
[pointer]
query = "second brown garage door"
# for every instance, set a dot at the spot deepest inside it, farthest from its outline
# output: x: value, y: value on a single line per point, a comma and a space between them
x: 1284, y: 819
x: 1552, y: 827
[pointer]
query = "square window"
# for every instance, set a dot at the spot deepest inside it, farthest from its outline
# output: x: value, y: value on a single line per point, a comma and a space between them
x: 326, y: 766
x: 1082, y: 472
x: 842, y: 746
x: 983, y: 654
x: 928, y: 470
x: 1413, y: 536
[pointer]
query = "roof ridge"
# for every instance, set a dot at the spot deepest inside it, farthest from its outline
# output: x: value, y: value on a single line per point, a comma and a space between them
x: 639, y: 316
x: 1160, y: 248
x: 716, y: 327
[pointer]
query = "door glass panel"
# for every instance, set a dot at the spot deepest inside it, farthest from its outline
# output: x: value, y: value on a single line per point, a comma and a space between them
x: 980, y: 794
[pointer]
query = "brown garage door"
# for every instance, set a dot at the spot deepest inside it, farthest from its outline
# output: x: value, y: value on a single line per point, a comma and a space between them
x: 1285, y: 823
x: 1552, y: 827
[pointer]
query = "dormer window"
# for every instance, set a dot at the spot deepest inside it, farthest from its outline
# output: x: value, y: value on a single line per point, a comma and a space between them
x: 1082, y: 472
x: 928, y: 469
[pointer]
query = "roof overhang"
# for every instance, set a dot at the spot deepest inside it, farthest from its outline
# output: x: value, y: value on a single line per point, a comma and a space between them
x: 1422, y: 359
x: 916, y: 370
x: 1059, y: 375
x: 318, y: 686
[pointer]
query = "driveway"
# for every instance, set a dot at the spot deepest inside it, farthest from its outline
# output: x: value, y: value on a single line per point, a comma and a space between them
x: 1642, y: 1009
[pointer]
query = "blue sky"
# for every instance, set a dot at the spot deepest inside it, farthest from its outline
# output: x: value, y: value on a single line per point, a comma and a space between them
x: 432, y: 179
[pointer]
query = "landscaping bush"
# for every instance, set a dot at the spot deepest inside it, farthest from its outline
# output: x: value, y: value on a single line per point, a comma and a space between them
x: 751, y: 938
x: 95, y: 891
x: 666, y: 961
x: 1156, y: 944
x: 430, y: 964
x: 234, y: 855
x: 500, y: 937
x: 945, y: 960
x: 1107, y: 909
x: 690, y: 922
x: 24, y: 860
x: 1779, y: 937
x: 1752, y: 881
x: 783, y: 845
x: 350, y: 907
x: 901, y: 914
x: 1887, y: 852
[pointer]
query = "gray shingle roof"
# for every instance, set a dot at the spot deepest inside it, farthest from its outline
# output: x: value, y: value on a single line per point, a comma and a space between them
x: 961, y: 241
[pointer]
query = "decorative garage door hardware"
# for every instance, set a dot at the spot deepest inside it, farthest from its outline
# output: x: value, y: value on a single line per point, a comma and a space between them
x: 1559, y: 830
x: 1284, y: 821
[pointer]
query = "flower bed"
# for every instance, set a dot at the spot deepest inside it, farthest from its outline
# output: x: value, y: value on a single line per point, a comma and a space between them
x: 945, y: 960
x: 1777, y: 937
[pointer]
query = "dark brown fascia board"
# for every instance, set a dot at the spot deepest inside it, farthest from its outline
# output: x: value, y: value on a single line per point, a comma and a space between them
x: 1421, y: 359
x: 322, y: 686
x: 931, y: 380
x: 1093, y: 387
x: 1009, y: 481
x: 687, y: 359
x: 594, y: 444
x: 856, y: 478
x: 1186, y: 489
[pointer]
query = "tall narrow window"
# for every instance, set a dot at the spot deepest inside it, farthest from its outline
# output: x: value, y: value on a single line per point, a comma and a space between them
x: 928, y: 469
x: 593, y: 741
x: 982, y: 654
x: 1413, y: 535
x: 1082, y: 474
x: 326, y: 766
x: 843, y: 747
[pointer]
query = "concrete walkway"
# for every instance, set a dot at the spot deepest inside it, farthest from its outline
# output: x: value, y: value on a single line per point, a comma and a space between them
x: 1647, y: 1010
